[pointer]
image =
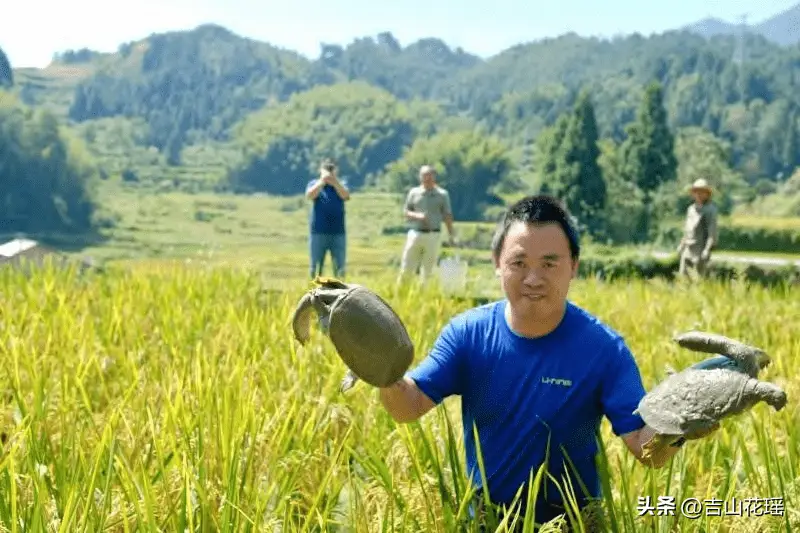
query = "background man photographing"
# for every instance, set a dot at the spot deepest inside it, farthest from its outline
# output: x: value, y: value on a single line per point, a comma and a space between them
x: 426, y: 207
x: 327, y: 220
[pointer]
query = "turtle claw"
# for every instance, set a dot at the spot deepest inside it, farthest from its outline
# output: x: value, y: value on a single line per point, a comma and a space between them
x: 348, y: 381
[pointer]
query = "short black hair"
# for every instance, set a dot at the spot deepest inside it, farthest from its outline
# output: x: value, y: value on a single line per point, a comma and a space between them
x: 537, y: 209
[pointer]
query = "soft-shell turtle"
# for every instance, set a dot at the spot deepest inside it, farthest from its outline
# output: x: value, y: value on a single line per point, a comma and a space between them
x: 692, y: 401
x: 368, y: 335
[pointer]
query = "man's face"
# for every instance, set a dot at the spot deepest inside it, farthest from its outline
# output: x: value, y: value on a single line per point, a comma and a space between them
x: 427, y: 179
x: 700, y: 195
x: 536, y: 268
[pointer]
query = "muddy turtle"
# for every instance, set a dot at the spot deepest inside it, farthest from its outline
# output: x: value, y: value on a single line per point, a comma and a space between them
x: 690, y: 402
x: 367, y: 333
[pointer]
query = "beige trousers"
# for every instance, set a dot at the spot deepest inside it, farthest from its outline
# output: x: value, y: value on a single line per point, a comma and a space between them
x: 420, y: 252
x: 689, y: 262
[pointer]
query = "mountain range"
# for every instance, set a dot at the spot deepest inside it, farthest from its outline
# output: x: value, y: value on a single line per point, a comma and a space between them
x: 782, y: 28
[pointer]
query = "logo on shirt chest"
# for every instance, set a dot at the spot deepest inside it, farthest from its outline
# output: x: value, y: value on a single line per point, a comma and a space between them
x: 557, y: 381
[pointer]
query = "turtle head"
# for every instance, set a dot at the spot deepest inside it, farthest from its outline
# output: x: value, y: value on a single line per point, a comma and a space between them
x: 316, y: 300
x: 301, y: 318
x: 762, y: 359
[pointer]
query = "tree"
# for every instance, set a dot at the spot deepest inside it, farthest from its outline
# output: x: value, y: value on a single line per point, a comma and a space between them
x: 470, y: 166
x: 46, y: 177
x: 701, y: 155
x: 363, y: 128
x: 624, y: 205
x: 570, y: 167
x: 284, y: 168
x: 648, y: 153
x: 578, y: 179
x: 549, y: 147
x: 6, y: 73
x: 791, y: 144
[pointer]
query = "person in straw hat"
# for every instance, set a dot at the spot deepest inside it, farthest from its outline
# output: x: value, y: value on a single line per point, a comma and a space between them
x: 700, y: 231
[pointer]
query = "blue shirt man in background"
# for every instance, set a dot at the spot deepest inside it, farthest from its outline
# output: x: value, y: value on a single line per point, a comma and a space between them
x: 327, y: 229
x: 534, y: 371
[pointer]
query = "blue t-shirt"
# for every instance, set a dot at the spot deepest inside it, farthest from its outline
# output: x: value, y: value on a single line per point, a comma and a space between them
x: 327, y: 210
x: 514, y: 388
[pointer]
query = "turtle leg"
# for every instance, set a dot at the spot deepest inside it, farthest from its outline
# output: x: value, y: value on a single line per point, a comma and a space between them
x: 322, y: 300
x: 348, y: 381
x: 701, y: 341
x: 750, y: 358
x: 771, y: 394
x: 700, y: 429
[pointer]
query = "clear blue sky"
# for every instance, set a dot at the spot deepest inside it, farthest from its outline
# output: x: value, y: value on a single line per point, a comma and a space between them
x: 32, y: 30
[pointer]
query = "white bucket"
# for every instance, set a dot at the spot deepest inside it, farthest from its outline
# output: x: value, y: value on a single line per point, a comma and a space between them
x: 453, y: 274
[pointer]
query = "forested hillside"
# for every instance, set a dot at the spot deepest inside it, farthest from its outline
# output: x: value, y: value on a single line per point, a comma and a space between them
x: 207, y: 109
x: 189, y: 86
x: 47, y: 176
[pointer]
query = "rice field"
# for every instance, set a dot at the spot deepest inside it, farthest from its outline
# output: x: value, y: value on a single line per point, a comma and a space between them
x: 174, y: 399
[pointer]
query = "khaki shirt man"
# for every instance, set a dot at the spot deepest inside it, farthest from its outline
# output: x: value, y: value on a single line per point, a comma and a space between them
x: 700, y: 231
x: 425, y: 208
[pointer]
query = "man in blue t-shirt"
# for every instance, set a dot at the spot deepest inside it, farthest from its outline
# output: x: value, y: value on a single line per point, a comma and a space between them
x: 327, y: 231
x: 535, y: 372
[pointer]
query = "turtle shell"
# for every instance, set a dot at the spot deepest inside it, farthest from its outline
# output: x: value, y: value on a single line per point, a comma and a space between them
x: 370, y: 337
x: 695, y: 399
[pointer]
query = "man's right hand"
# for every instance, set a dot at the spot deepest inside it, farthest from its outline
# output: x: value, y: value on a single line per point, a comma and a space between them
x: 417, y: 216
x: 404, y: 401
